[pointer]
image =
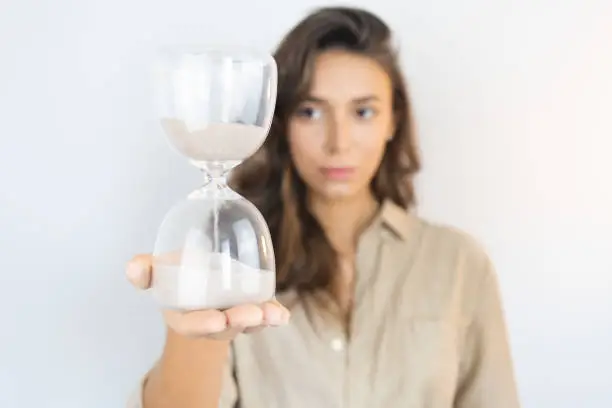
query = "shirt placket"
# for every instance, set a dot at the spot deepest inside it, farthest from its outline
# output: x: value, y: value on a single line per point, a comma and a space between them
x: 332, y: 342
x: 338, y: 346
x: 356, y: 349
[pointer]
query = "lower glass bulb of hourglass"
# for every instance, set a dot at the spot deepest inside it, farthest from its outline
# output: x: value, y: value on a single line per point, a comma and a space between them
x: 213, y: 251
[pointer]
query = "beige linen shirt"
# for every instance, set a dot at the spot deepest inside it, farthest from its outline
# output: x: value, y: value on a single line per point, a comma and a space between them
x: 427, y: 331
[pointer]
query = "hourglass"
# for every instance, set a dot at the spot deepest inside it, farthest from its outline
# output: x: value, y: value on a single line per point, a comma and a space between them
x: 213, y: 248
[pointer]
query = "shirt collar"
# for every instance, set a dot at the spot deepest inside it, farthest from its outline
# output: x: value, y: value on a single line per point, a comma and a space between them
x: 396, y: 219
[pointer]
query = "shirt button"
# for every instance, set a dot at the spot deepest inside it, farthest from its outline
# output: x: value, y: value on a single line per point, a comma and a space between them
x: 337, y: 344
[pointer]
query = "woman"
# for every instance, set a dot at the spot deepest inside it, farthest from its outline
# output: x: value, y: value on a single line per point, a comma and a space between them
x: 387, y: 309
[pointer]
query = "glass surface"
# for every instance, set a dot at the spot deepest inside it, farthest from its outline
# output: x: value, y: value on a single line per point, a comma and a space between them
x: 213, y: 249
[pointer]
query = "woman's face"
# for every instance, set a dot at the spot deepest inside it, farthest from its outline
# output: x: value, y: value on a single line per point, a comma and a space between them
x: 338, y: 135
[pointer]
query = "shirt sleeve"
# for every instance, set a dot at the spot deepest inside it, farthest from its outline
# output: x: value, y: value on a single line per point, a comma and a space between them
x: 487, y: 378
x: 227, y: 399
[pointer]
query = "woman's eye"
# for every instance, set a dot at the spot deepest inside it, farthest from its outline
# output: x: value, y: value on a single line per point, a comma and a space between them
x: 309, y: 113
x: 365, y: 113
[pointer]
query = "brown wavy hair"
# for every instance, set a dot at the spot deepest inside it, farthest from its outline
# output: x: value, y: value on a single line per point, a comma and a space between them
x: 306, y: 262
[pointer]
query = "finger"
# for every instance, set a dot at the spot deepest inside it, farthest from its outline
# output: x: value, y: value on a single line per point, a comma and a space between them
x: 286, y: 314
x: 273, y: 313
x: 138, y: 271
x: 244, y: 316
x: 171, y: 257
x: 196, y: 323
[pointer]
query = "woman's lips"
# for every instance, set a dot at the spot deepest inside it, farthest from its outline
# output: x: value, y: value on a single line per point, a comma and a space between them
x: 338, y: 173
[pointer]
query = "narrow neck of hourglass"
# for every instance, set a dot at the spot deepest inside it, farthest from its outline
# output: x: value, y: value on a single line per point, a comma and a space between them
x: 217, y: 179
x: 215, y: 172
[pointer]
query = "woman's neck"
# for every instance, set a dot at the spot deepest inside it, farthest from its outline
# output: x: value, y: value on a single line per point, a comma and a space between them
x: 344, y: 220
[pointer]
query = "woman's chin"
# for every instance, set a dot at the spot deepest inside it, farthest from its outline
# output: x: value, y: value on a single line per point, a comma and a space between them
x: 341, y: 192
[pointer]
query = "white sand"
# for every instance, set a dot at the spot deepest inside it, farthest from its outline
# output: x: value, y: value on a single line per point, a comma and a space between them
x: 228, y: 283
x: 216, y: 141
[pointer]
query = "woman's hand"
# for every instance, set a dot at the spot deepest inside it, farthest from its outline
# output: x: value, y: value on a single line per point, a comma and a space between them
x: 210, y: 323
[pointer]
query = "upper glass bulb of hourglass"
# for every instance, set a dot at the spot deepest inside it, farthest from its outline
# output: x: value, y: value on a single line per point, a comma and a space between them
x: 215, y: 106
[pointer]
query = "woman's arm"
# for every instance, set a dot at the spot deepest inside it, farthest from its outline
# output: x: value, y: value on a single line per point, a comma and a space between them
x: 188, y: 375
x: 487, y: 372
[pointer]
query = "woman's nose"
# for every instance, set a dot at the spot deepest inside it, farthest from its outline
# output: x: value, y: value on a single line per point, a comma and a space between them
x: 338, y: 137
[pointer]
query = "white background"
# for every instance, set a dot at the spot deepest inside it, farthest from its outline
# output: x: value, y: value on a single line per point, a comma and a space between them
x: 513, y: 99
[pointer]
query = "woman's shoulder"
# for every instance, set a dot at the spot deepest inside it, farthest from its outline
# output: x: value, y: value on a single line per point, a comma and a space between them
x: 449, y: 234
x: 451, y: 266
x: 455, y: 247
